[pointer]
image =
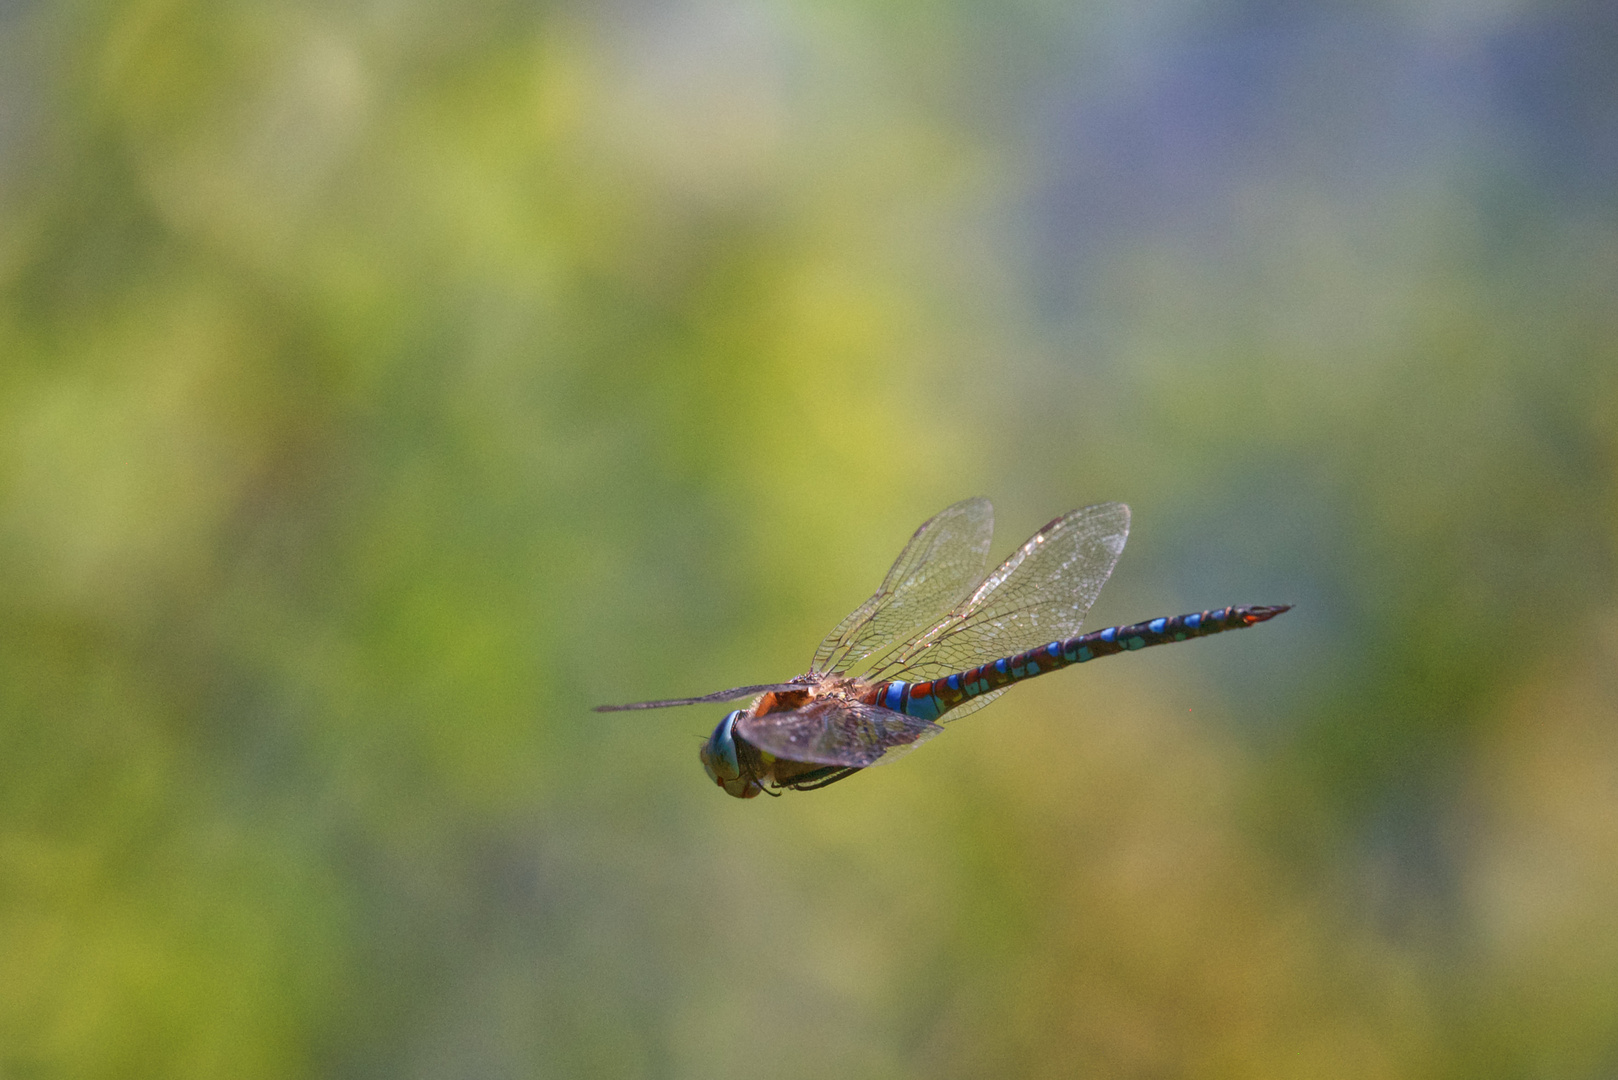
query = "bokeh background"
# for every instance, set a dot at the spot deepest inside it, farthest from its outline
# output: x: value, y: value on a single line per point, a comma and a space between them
x: 383, y: 383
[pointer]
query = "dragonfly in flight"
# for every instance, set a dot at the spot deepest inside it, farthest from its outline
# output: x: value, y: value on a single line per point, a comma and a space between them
x: 940, y: 639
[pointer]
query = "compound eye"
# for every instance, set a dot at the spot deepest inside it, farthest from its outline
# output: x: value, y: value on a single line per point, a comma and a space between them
x: 719, y: 752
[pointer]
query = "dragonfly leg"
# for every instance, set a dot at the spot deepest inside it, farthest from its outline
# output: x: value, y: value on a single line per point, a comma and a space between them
x: 821, y: 778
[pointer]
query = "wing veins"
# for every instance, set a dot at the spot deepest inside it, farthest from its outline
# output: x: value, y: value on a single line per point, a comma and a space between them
x: 1065, y: 564
x: 940, y: 565
x: 837, y: 732
x: 719, y: 695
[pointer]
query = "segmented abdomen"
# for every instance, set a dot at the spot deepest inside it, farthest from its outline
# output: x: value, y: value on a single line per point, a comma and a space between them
x: 930, y: 700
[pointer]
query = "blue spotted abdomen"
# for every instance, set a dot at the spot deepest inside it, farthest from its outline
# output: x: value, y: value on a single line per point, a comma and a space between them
x: 931, y: 700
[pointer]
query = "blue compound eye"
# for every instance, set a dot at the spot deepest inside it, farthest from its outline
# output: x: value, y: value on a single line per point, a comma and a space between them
x: 719, y: 752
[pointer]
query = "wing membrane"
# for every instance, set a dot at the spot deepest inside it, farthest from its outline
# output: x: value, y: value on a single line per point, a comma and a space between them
x: 720, y: 695
x: 836, y: 732
x: 937, y: 570
x: 1039, y: 595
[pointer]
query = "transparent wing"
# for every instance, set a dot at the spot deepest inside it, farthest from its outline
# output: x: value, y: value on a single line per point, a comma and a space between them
x: 836, y: 732
x: 971, y: 706
x: 720, y: 695
x: 936, y: 572
x: 1039, y: 595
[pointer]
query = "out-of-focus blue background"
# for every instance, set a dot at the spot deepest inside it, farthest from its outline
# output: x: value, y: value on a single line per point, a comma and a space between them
x: 384, y: 383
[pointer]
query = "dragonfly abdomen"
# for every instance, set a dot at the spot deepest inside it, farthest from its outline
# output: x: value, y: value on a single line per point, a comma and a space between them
x: 932, y: 699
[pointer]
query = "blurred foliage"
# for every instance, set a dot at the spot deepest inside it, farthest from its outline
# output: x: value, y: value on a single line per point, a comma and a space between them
x: 386, y: 383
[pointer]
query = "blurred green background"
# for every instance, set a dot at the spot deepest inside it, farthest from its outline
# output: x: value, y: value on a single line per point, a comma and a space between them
x: 384, y: 383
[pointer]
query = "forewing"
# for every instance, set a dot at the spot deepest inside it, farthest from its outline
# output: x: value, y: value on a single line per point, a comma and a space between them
x: 937, y: 570
x: 1039, y: 595
x: 721, y: 695
x: 836, y: 732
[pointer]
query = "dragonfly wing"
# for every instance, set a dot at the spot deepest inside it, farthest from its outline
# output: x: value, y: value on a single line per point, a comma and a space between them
x: 971, y: 705
x: 835, y: 732
x: 1039, y: 595
x: 721, y: 695
x: 937, y: 570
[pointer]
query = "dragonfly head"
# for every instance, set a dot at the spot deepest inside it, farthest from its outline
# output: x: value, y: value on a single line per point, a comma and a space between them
x: 720, y: 762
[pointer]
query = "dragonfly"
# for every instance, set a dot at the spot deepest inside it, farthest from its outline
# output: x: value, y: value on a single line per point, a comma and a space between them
x: 941, y: 638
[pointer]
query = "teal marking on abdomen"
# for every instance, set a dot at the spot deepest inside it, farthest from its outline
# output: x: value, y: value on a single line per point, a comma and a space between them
x: 923, y: 708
